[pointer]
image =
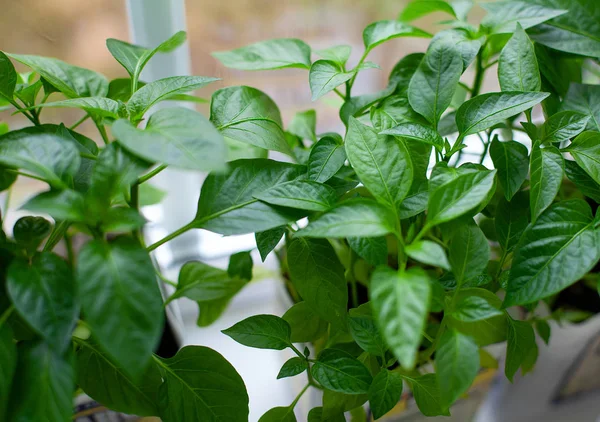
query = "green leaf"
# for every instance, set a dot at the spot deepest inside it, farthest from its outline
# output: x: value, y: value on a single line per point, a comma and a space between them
x: 325, y: 76
x: 134, y: 58
x: 543, y: 329
x: 262, y: 332
x: 201, y: 282
x: 521, y: 339
x: 338, y: 371
x: 584, y: 99
x: 150, y: 94
x: 43, y: 385
x: 382, y: 31
x: 584, y: 183
x: 366, y: 334
x: 121, y: 301
x: 267, y: 240
x: 336, y: 404
x: 511, y: 220
x: 304, y: 125
x: 65, y: 205
x: 417, y: 132
x: 44, y: 294
x: 177, y: 136
x: 487, y: 110
x: 503, y: 17
x: 199, y: 384
x: 385, y: 392
x: 96, y: 106
x: 99, y: 377
x: 392, y: 112
x: 433, y: 85
x: 353, y: 218
x: 469, y: 252
x: 459, y: 196
x: 8, y: 77
x: 8, y: 357
x: 585, y: 149
x: 122, y: 220
x: 563, y: 126
x: 227, y: 204
x: 279, y: 414
x: 240, y: 265
x: 427, y: 395
x: 371, y: 249
x: 546, y: 176
x: 462, y: 41
x: 292, y: 367
x: 518, y: 67
x: 457, y: 364
x: 554, y: 252
x: 300, y: 194
x: 382, y: 163
x: 306, y: 324
x: 272, y: 54
x: 248, y: 115
x: 428, y: 252
x: 42, y: 154
x: 474, y: 308
x: 319, y: 277
x: 419, y: 8
x: 511, y: 160
x: 400, y: 303
x: 316, y: 415
x: 338, y: 54
x: 30, y: 231
x: 326, y: 157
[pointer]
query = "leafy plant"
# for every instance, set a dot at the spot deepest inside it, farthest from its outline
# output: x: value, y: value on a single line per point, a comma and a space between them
x: 415, y: 254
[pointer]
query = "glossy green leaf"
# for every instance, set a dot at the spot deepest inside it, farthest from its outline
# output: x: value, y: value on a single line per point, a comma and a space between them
x: 511, y: 160
x: 338, y: 54
x: 518, y: 67
x: 176, y: 136
x: 585, y: 149
x: 584, y: 99
x: 304, y: 125
x: 44, y: 294
x: 319, y: 277
x: 96, y: 106
x: 372, y: 249
x: 554, y: 252
x: 264, y: 55
x: 71, y: 80
x: 306, y: 324
x: 65, y: 205
x: 326, y: 157
x: 8, y: 356
x: 366, y: 334
x: 338, y: 371
x: 521, y: 339
x: 301, y: 194
x: 240, y: 265
x: 8, y: 77
x: 433, y: 85
x: 316, y: 415
x: 101, y: 379
x: 352, y: 218
x: 474, y: 308
x: 199, y: 384
x: 503, y: 17
x: 122, y: 220
x: 511, y: 220
x: 292, y: 367
x: 201, y: 282
x: 382, y: 31
x: 563, y: 126
x: 457, y: 364
x: 582, y: 180
x: 227, y: 204
x: 248, y: 115
x: 385, y: 392
x: 427, y: 395
x: 325, y: 76
x: 469, y: 252
x: 279, y: 414
x: 267, y: 240
x: 546, y: 176
x: 417, y: 132
x: 419, y: 8
x: 400, y: 304
x: 428, y: 252
x: 30, y: 231
x: 462, y: 40
x: 486, y: 110
x: 121, y: 301
x: 543, y: 329
x: 43, y: 385
x: 150, y: 94
x: 393, y: 111
x: 262, y: 332
x: 382, y: 163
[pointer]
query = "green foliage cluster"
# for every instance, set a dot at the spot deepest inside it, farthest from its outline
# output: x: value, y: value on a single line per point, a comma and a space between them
x: 412, y: 261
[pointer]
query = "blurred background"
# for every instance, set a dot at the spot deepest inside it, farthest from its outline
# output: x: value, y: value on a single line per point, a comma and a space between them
x: 75, y: 31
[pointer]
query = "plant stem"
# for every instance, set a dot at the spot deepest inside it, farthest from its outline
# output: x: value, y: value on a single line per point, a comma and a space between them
x: 80, y: 121
x: 299, y: 395
x: 428, y: 337
x: 102, y: 131
x: 89, y: 156
x: 337, y: 91
x: 6, y: 314
x: 31, y: 117
x: 57, y: 233
x: 296, y: 351
x: 479, y: 72
x: 178, y: 232
x: 351, y: 82
x: 150, y: 174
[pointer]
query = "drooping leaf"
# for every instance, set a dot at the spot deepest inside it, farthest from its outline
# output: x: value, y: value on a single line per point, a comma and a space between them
x: 518, y: 67
x: 338, y: 371
x: 400, y: 304
x: 543, y: 329
x: 511, y: 220
x: 554, y: 252
x: 8, y: 77
x: 521, y: 339
x: 417, y: 132
x: 264, y: 55
x: 469, y: 252
x: 585, y: 149
x: 563, y: 126
x: 546, y: 176
x: 306, y: 324
x: 427, y: 395
x: 511, y: 160
x: 262, y: 332
x: 292, y: 367
x: 584, y: 99
x: 382, y: 31
x: 267, y: 240
x: 371, y: 249
x: 385, y: 392
x: 248, y: 115
x: 326, y: 157
x: 319, y: 277
x: 240, y: 265
x: 419, y: 8
x: 121, y: 301
x: 301, y: 194
x: 44, y: 294
x: 428, y: 252
x: 503, y: 17
x: 199, y: 384
x: 382, y: 163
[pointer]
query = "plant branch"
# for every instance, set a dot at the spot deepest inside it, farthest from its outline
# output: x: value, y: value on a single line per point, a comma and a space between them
x: 6, y: 314
x: 351, y: 82
x: 178, y: 232
x: 102, y: 131
x: 80, y: 121
x: 150, y: 174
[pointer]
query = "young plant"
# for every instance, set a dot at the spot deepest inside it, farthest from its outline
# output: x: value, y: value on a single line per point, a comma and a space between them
x: 412, y: 261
